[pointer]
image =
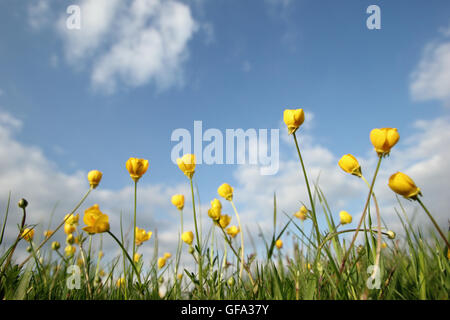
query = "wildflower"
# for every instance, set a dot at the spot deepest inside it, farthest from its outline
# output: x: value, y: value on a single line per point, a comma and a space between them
x: 226, y: 191
x: 72, y: 219
x: 187, y: 164
x: 70, y: 239
x: 69, y: 228
x: 384, y: 139
x: 22, y: 203
x: 349, y: 164
x: 384, y: 245
x: 233, y: 231
x: 142, y: 236
x: 178, y: 201
x: 302, y: 214
x: 94, y: 178
x: 48, y: 233
x: 403, y: 185
x: 216, y: 209
x: 179, y: 276
x: 136, y: 167
x: 391, y: 234
x: 161, y: 262
x: 120, y: 282
x: 345, y: 217
x: 224, y: 221
x: 167, y: 255
x: 100, y: 254
x: 70, y: 250
x: 293, y: 118
x: 96, y: 221
x: 55, y: 245
x: 28, y: 234
x: 188, y: 237
x: 137, y: 257
x: 279, y: 244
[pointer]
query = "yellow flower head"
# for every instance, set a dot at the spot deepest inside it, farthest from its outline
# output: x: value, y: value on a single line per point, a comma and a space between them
x: 70, y: 239
x: 345, y: 217
x: 69, y: 228
x: 384, y: 245
x: 384, y: 139
x: 120, y: 282
x: 233, y: 231
x: 137, y: 257
x: 167, y: 255
x: 179, y: 276
x: 142, y: 236
x: 96, y: 221
x: 94, y: 178
x: 161, y: 262
x: 349, y: 164
x: 225, y: 191
x: 136, y: 167
x: 55, y: 245
x: 302, y: 214
x: 293, y: 118
x: 279, y: 244
x: 71, y: 219
x: 187, y: 164
x: 403, y: 185
x: 178, y: 201
x: 215, y: 210
x: 224, y: 221
x: 28, y: 234
x: 70, y: 250
x: 48, y: 233
x: 188, y: 237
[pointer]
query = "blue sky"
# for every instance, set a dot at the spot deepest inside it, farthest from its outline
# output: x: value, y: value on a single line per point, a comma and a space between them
x: 237, y: 64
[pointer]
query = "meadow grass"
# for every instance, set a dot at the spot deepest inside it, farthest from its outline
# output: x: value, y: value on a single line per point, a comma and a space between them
x: 322, y: 265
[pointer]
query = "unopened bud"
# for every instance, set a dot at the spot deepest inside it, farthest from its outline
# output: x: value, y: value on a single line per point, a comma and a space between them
x: 22, y: 203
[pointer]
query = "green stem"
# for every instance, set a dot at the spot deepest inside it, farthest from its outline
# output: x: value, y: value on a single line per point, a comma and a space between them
x: 363, y: 215
x: 199, y: 244
x: 434, y: 223
x: 134, y: 220
x: 242, y: 240
x: 309, y: 190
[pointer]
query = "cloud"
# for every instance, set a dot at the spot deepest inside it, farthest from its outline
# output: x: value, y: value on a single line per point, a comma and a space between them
x: 431, y: 78
x: 38, y: 14
x: 130, y: 43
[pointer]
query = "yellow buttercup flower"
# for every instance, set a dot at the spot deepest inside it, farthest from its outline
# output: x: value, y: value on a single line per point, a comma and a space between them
x: 69, y: 228
x: 224, y: 221
x: 137, y: 257
x: 178, y: 201
x: 293, y: 118
x: 70, y: 239
x: 345, y: 217
x: 142, y: 236
x: 28, y: 234
x: 187, y: 164
x: 120, y: 282
x: 136, y: 167
x: 187, y: 237
x: 384, y: 245
x: 233, y: 231
x: 55, y: 245
x: 167, y: 255
x: 403, y: 185
x: 279, y: 244
x: 215, y: 210
x: 384, y: 139
x: 349, y: 164
x: 70, y: 250
x: 71, y: 219
x: 225, y: 191
x: 94, y: 178
x: 161, y: 262
x: 96, y: 221
x: 179, y: 276
x: 48, y: 233
x: 302, y: 214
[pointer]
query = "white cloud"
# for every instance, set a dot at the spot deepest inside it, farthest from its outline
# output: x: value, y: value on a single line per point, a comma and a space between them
x: 131, y: 43
x: 431, y: 78
x: 38, y: 14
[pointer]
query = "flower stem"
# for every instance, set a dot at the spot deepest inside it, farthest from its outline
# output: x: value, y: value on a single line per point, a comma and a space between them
x: 434, y: 222
x: 134, y: 221
x: 362, y: 216
x: 199, y: 244
x: 242, y: 240
x: 314, y: 218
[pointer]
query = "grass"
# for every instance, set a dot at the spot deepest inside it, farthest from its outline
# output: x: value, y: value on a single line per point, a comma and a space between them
x: 323, y: 265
